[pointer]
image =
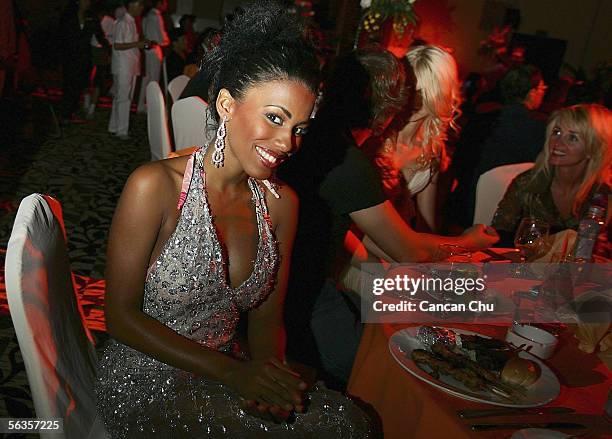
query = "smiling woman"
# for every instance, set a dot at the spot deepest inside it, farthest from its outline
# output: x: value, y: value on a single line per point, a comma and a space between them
x: 197, y: 241
x: 266, y: 125
x: 574, y: 166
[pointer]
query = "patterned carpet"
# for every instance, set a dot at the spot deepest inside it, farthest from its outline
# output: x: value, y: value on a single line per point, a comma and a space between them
x: 85, y: 168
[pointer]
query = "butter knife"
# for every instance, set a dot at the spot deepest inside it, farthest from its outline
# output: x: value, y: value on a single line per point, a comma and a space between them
x: 519, y: 425
x: 482, y: 413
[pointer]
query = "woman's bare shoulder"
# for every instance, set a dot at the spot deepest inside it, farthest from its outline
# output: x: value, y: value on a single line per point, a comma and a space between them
x: 150, y: 196
x: 159, y: 175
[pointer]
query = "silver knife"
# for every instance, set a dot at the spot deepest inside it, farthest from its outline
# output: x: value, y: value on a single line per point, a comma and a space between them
x: 518, y: 425
x: 482, y: 413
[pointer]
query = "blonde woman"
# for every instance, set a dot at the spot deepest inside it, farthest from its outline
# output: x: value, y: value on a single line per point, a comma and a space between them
x: 413, y: 159
x: 573, y: 167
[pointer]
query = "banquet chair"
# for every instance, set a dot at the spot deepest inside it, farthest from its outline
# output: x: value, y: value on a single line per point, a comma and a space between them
x: 176, y: 86
x: 157, y: 123
x: 191, y: 122
x: 491, y: 188
x: 57, y: 348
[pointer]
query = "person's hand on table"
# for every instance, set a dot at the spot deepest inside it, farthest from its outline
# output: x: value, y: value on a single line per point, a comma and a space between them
x: 271, y: 389
x: 480, y: 236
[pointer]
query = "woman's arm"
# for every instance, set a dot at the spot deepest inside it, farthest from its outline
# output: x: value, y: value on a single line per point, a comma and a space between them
x: 141, y: 213
x: 393, y: 237
x: 266, y: 328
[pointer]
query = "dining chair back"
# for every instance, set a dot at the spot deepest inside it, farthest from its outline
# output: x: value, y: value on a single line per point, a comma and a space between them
x: 177, y: 85
x: 491, y: 188
x: 192, y: 123
x: 157, y: 123
x: 56, y: 347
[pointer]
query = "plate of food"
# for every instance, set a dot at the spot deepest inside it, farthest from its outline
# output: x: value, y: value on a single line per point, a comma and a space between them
x: 474, y: 366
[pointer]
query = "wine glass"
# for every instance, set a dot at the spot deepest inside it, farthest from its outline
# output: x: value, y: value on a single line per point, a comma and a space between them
x: 531, y: 237
x: 452, y: 262
x: 452, y: 253
x: 448, y: 258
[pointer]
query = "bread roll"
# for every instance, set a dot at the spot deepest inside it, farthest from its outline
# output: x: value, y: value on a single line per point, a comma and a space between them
x: 521, y: 372
x: 590, y: 334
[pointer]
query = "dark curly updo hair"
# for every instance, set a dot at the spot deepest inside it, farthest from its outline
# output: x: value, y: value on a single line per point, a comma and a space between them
x: 260, y: 42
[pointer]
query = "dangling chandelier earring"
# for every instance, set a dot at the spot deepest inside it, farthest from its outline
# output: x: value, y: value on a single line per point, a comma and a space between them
x: 218, y: 156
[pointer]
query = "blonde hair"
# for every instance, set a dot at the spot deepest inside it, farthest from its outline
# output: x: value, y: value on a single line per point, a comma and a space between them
x: 437, y: 79
x: 594, y: 124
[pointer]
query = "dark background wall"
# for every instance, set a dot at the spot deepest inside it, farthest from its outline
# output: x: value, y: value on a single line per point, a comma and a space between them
x: 457, y: 24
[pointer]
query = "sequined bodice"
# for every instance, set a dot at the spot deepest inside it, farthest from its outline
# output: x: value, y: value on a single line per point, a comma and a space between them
x: 187, y: 287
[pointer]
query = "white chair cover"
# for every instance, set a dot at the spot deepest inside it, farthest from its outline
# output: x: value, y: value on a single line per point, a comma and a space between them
x: 56, y: 346
x: 192, y: 123
x: 491, y: 188
x: 177, y: 85
x: 157, y: 123
x: 165, y: 76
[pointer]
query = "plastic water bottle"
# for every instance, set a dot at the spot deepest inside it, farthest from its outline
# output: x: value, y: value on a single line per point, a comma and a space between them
x: 588, y: 230
x: 602, y: 245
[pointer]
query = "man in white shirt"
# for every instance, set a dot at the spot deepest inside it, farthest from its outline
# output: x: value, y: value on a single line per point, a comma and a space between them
x: 125, y: 66
x: 153, y: 29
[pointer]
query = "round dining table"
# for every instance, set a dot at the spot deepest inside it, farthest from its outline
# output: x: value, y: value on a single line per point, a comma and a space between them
x: 409, y: 407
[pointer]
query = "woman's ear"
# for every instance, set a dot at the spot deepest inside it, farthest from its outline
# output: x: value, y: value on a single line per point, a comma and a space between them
x: 225, y: 104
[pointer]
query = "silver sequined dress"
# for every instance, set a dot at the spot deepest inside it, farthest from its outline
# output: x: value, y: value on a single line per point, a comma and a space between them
x: 187, y: 290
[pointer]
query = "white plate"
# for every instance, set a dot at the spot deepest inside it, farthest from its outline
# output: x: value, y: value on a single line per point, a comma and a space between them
x: 543, y: 391
x: 538, y: 433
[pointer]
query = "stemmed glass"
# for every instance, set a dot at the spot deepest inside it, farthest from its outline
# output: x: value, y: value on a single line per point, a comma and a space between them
x: 452, y: 253
x: 530, y: 238
x: 451, y: 262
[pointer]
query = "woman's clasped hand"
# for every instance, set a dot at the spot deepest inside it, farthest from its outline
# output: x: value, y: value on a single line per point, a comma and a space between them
x: 270, y: 388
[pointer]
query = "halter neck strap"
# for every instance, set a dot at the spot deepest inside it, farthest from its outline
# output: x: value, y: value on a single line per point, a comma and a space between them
x: 187, y: 179
x: 196, y: 158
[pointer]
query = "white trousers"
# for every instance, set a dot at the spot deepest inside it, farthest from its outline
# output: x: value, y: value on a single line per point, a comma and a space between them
x: 152, y: 73
x: 120, y: 114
